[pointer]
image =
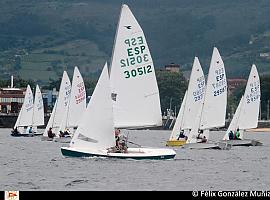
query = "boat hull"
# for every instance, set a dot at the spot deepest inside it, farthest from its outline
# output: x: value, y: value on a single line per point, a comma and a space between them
x: 25, y: 134
x: 62, y: 139
x: 175, y: 143
x: 219, y: 145
x: 46, y: 138
x: 133, y: 153
x: 245, y: 142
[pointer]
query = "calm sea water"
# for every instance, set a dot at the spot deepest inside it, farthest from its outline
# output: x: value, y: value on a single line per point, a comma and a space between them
x: 32, y: 164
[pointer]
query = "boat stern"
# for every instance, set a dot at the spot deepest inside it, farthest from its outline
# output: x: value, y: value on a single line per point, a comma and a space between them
x: 175, y: 143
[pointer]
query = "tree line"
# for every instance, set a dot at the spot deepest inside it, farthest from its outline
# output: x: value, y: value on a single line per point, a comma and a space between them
x: 172, y: 87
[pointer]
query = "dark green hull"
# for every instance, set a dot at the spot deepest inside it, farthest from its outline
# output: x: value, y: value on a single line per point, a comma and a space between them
x: 71, y: 153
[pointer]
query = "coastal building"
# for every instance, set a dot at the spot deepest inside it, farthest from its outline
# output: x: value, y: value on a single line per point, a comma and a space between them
x: 49, y: 98
x: 235, y: 83
x: 172, y: 67
x: 11, y: 99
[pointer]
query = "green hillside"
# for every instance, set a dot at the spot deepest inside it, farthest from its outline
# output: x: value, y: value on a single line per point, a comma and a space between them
x: 38, y: 39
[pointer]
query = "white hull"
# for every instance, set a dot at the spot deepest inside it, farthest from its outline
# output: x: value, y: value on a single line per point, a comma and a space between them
x: 245, y: 142
x: 62, y: 139
x: 133, y: 153
x: 220, y: 145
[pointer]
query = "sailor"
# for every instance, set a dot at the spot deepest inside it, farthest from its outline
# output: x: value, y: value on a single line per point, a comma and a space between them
x: 31, y: 129
x: 181, y: 135
x: 50, y: 133
x: 117, y: 148
x: 204, y: 139
x: 200, y: 134
x: 66, y: 132
x: 15, y: 130
x: 237, y: 134
x: 231, y: 135
x: 123, y: 144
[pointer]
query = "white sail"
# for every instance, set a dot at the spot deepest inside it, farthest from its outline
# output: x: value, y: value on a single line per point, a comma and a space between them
x: 235, y: 120
x: 251, y: 104
x: 95, y: 130
x: 61, y: 105
x: 38, y: 113
x: 247, y: 113
x: 192, y: 137
x: 50, y: 122
x: 215, y: 100
x: 26, y: 112
x: 212, y: 111
x: 77, y: 102
x: 179, y: 120
x: 195, y: 94
x: 134, y: 87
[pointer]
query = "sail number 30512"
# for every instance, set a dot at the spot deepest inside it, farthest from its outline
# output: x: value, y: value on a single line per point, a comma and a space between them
x: 138, y: 71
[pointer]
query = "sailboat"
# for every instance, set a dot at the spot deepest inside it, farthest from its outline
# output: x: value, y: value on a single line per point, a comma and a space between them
x: 135, y: 93
x: 212, y: 110
x: 38, y: 111
x: 95, y: 133
x: 247, y: 112
x: 190, y: 105
x: 59, y: 109
x: 31, y: 114
x: 75, y: 108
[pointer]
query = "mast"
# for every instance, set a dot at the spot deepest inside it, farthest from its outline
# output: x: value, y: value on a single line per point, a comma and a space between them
x: 115, y: 37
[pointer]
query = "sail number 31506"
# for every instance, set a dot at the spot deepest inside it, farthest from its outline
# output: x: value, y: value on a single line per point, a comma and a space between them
x: 138, y: 71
